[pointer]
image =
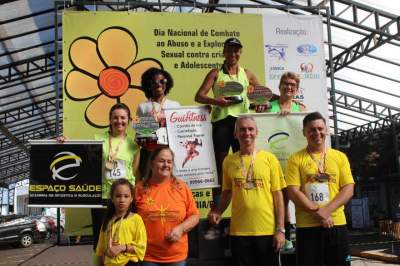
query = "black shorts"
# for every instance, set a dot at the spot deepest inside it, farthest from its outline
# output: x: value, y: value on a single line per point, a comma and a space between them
x: 316, y: 246
x: 254, y: 251
x: 222, y: 134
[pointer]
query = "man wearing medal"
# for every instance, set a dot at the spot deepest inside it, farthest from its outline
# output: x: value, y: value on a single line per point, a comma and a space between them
x: 253, y: 180
x: 320, y: 183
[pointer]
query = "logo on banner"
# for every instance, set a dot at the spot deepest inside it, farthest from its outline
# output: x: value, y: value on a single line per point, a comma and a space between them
x: 275, y: 72
x: 277, y: 51
x: 278, y: 139
x: 307, y: 49
x: 62, y: 161
x: 307, y: 71
x: 306, y: 67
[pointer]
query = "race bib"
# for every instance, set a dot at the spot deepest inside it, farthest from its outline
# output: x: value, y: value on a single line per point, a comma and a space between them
x: 318, y: 193
x: 118, y: 172
x: 162, y: 137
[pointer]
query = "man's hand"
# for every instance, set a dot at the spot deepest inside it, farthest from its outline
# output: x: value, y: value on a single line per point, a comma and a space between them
x: 328, y: 223
x: 214, y: 217
x: 322, y: 213
x: 278, y: 240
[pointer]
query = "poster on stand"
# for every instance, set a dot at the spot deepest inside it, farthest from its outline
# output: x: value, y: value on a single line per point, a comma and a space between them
x: 189, y: 133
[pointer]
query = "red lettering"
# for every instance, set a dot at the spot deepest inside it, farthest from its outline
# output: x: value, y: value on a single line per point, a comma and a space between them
x: 188, y: 117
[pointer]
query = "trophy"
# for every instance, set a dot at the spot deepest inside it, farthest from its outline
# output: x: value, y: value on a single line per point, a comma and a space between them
x: 146, y: 132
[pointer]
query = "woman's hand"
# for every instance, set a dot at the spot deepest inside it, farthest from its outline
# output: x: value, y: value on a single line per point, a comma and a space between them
x: 175, y: 234
x: 114, y: 249
x: 222, y: 101
x: 284, y: 112
x: 140, y: 141
x: 261, y: 108
x: 61, y: 139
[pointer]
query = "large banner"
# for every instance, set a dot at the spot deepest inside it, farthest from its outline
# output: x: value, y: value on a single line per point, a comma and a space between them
x: 65, y: 175
x: 189, y: 135
x: 281, y: 135
x: 295, y: 43
x: 105, y: 54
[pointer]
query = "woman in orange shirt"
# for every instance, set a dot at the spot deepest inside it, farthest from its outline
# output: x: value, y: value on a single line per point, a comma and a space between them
x: 168, y: 210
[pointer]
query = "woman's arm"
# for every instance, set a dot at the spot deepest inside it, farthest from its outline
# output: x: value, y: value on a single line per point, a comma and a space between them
x: 252, y: 78
x: 135, y: 166
x: 185, y: 227
x: 202, y: 93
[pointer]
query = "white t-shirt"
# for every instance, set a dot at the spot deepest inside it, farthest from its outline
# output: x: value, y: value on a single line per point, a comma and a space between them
x: 146, y: 108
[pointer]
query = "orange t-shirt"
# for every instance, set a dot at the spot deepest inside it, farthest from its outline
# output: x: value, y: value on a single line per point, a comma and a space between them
x: 162, y: 207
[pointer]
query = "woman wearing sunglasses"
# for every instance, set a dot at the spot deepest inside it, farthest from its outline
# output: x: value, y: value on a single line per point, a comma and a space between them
x: 156, y: 84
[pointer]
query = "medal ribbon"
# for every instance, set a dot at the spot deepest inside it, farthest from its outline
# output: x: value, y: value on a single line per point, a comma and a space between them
x: 110, y: 233
x: 113, y: 154
x: 321, y: 164
x: 248, y: 174
x: 156, y: 113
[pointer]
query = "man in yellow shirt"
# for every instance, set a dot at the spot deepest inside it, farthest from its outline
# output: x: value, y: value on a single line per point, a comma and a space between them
x: 253, y: 180
x: 320, y: 183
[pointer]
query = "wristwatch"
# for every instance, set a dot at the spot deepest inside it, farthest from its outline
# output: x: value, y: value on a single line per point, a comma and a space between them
x: 280, y: 230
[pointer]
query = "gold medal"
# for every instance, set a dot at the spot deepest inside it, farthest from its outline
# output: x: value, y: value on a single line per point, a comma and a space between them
x: 323, y: 177
x: 249, y: 185
x: 110, y: 165
x: 248, y: 174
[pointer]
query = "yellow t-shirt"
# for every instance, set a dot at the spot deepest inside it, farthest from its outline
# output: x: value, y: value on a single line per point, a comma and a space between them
x: 253, y: 209
x: 300, y: 171
x: 131, y: 232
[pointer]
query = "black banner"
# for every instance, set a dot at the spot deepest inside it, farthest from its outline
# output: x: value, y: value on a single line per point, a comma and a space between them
x: 65, y: 175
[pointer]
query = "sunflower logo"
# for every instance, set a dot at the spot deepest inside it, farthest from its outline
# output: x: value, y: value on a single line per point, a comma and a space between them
x: 107, y: 71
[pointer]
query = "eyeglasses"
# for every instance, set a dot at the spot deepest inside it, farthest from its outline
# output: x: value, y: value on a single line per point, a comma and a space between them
x: 160, y: 82
x: 290, y: 84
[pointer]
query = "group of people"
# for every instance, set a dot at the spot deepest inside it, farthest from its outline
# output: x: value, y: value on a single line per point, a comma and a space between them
x: 150, y: 211
x: 146, y: 221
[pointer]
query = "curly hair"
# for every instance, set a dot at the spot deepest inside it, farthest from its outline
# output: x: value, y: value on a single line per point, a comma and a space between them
x: 147, y: 81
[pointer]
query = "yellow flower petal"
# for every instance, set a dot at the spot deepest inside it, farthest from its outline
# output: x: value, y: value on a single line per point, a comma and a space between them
x: 117, y: 47
x: 132, y: 98
x: 80, y: 86
x: 98, y: 110
x: 139, y: 68
x: 84, y: 56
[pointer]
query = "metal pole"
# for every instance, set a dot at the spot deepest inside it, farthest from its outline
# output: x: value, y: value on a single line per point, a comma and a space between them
x: 332, y: 78
x: 56, y: 70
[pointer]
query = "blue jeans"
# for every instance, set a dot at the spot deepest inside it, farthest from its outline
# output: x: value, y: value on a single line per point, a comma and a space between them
x: 149, y: 263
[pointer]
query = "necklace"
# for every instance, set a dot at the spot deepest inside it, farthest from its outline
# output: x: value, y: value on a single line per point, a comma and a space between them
x: 114, y: 235
x: 321, y: 165
x: 156, y: 113
x: 248, y: 173
x: 111, y: 164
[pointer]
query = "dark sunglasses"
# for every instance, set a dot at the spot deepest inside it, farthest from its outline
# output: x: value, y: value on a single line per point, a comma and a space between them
x: 161, y: 81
